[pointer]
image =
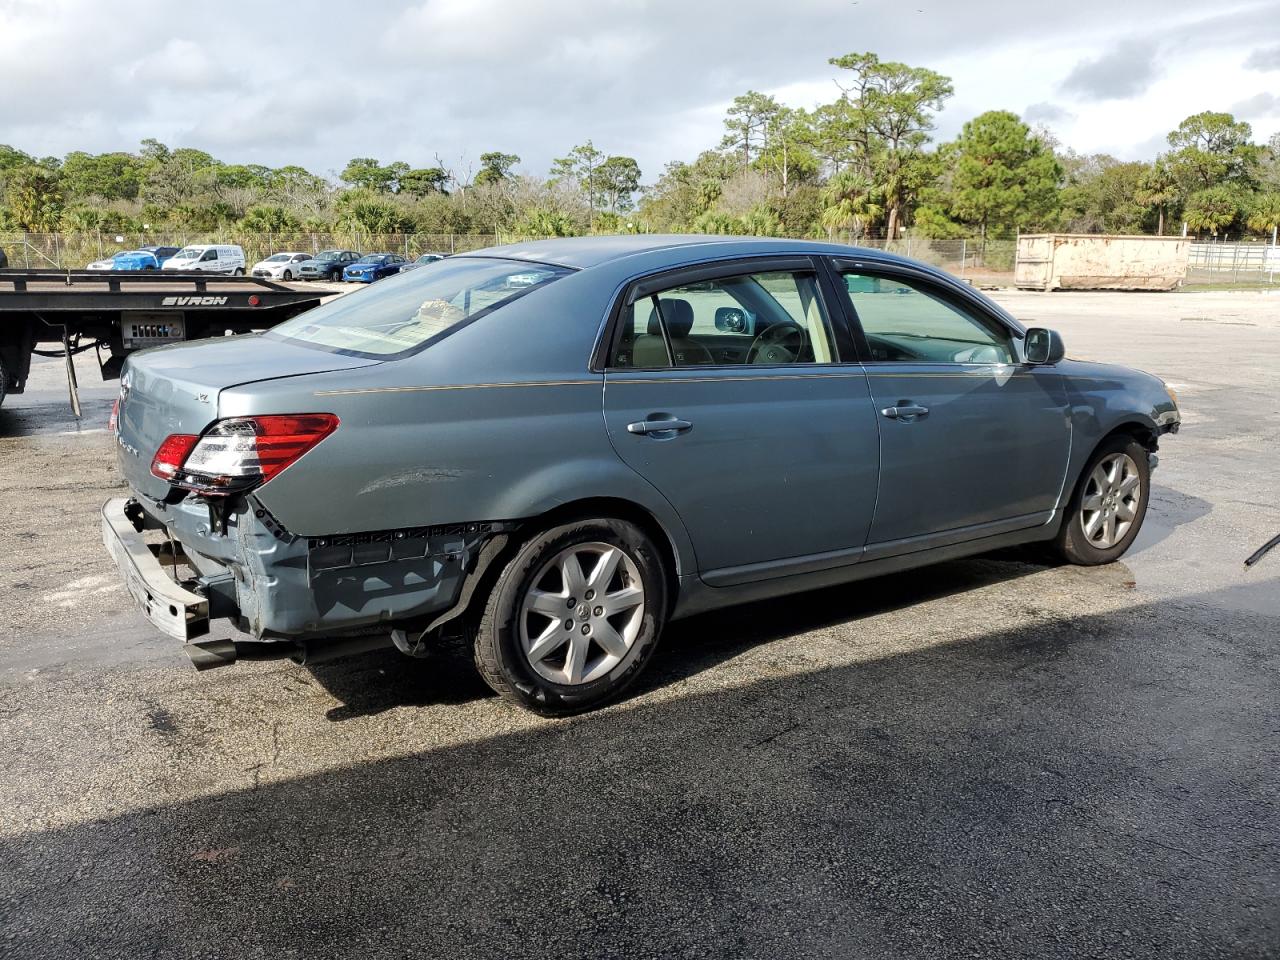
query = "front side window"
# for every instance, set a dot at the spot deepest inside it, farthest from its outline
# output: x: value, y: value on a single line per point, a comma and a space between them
x: 768, y: 318
x: 209, y: 255
x: 910, y: 324
x: 395, y: 319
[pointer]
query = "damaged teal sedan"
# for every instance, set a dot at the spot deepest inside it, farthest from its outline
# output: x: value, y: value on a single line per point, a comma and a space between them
x: 556, y: 448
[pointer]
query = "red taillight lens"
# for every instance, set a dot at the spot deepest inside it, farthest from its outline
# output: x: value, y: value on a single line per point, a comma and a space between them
x: 242, y: 452
x: 113, y: 422
x: 168, y: 459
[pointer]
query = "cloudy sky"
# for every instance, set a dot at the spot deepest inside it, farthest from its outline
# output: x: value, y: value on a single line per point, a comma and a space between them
x: 319, y: 82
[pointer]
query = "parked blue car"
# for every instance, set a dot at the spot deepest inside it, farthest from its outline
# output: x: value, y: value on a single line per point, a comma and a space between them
x: 373, y: 266
x: 555, y: 448
x: 144, y: 258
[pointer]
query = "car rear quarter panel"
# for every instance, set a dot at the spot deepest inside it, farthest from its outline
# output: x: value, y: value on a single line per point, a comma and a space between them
x: 501, y: 420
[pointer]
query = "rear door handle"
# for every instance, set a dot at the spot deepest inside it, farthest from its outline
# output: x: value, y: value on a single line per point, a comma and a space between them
x: 905, y: 411
x: 666, y: 425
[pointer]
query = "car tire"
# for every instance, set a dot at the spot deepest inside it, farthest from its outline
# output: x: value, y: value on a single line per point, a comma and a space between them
x: 287, y: 276
x: 512, y: 630
x: 1108, y: 506
x: 237, y: 272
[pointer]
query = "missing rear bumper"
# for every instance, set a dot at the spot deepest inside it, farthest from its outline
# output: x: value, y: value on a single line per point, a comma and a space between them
x: 172, y: 608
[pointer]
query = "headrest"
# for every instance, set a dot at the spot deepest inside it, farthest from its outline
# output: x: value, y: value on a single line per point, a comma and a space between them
x: 677, y: 313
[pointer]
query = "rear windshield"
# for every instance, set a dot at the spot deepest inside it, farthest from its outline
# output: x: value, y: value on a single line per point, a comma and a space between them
x: 397, y: 316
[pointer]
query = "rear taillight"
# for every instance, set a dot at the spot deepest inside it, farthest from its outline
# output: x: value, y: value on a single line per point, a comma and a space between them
x: 114, y: 420
x: 242, y: 452
x: 168, y: 459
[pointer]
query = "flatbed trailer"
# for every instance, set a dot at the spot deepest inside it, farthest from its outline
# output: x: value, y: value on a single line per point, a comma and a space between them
x: 65, y: 312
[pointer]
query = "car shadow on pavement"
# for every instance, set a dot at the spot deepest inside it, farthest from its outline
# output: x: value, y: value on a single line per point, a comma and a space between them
x: 372, y: 683
x: 1169, y: 509
x: 1100, y: 785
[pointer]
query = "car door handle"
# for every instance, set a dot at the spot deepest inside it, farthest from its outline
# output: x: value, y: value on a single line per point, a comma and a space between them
x: 666, y: 425
x: 905, y: 411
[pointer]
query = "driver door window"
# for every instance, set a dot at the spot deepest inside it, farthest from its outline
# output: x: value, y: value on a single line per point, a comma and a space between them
x: 772, y: 318
x: 209, y: 255
x: 907, y: 323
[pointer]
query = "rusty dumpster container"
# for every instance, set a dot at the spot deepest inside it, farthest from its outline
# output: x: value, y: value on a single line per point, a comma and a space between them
x: 1088, y: 261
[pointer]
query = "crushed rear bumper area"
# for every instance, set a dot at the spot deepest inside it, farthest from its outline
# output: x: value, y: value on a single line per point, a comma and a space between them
x: 295, y: 596
x: 174, y: 610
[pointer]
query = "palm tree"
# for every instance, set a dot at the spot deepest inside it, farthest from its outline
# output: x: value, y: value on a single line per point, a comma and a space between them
x: 851, y: 203
x: 1265, y: 213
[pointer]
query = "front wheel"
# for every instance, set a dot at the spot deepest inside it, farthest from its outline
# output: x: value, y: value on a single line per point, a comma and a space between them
x: 288, y: 275
x: 237, y: 272
x: 574, y: 617
x: 1108, y: 506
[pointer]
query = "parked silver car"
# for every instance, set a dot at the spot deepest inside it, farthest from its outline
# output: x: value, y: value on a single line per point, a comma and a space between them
x: 557, y: 447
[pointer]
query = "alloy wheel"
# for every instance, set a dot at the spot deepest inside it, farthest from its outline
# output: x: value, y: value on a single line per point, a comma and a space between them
x: 582, y: 613
x: 1110, y: 502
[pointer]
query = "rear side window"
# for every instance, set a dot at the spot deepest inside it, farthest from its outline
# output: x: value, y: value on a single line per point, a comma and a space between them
x: 410, y: 310
x: 769, y: 318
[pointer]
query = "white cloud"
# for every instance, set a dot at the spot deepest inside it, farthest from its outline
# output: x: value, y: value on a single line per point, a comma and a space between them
x: 648, y: 78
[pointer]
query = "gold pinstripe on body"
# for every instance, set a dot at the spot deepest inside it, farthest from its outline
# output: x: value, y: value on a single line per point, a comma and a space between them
x: 852, y: 375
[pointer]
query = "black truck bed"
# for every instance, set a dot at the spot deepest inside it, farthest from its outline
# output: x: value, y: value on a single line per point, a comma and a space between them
x: 115, y: 312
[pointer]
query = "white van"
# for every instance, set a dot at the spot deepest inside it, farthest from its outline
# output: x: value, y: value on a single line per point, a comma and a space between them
x: 208, y: 258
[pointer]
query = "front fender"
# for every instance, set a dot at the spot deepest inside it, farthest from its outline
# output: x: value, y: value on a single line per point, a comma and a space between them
x: 1103, y: 398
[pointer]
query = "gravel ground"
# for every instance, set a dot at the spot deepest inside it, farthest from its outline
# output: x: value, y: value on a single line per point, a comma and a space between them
x: 988, y: 758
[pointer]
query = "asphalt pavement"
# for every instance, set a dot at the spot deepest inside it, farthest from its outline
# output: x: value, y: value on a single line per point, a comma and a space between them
x: 987, y: 758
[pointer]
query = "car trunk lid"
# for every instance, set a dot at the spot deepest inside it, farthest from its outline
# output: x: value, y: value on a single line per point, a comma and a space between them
x: 174, y: 390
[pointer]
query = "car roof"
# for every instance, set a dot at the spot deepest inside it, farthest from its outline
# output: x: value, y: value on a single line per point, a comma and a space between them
x: 584, y: 252
x: 661, y: 251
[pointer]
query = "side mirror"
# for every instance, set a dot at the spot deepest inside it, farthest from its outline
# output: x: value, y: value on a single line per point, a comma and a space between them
x: 734, y: 320
x: 1043, y: 346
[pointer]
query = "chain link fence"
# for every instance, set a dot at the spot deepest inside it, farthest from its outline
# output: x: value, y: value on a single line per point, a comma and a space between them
x: 981, y: 262
x: 984, y: 263
x: 74, y: 251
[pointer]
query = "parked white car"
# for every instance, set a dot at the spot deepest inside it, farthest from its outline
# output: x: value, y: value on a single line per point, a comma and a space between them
x: 280, y: 266
x: 208, y: 258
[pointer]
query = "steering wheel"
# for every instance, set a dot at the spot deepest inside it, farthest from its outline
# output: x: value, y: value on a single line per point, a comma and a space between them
x: 779, y: 343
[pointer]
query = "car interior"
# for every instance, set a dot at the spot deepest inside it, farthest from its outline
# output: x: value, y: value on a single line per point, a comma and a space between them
x: 736, y: 320
x: 905, y: 323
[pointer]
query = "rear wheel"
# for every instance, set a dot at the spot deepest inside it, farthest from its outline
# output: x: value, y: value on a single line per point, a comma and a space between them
x: 237, y: 272
x: 574, y: 617
x: 1109, y: 504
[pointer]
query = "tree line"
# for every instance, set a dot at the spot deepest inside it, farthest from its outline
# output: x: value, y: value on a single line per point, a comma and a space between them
x: 864, y: 164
